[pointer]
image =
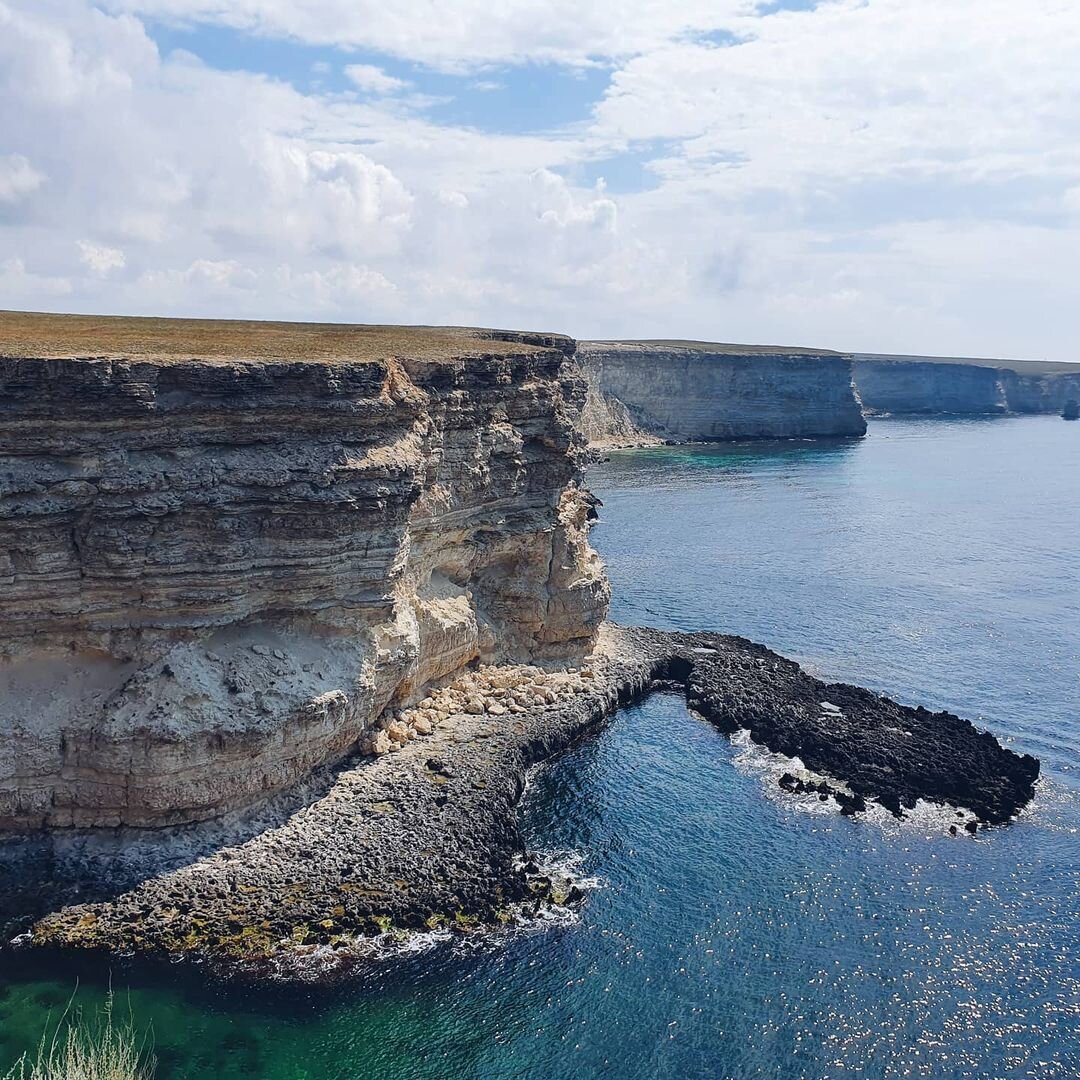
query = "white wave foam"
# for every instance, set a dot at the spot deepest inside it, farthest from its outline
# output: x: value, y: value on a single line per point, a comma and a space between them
x: 321, y: 963
x: 752, y: 759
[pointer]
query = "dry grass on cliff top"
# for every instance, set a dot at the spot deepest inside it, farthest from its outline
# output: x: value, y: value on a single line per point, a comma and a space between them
x: 46, y: 336
x: 720, y: 348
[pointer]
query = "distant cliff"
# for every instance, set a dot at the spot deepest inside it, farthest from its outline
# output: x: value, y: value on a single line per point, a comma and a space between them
x: 696, y: 391
x: 921, y: 385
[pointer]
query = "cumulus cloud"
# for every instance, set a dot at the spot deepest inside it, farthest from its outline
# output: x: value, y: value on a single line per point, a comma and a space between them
x: 17, y: 178
x: 871, y: 174
x: 99, y: 258
x: 467, y: 34
x: 373, y: 79
x: 21, y: 288
x: 850, y: 89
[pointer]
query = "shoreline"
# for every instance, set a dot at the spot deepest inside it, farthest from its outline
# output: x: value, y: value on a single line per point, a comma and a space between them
x: 427, y: 837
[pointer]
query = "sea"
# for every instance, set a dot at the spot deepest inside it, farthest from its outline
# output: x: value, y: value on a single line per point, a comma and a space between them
x: 731, y: 930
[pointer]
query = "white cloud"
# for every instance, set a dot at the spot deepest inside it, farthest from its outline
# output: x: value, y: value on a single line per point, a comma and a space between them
x: 18, y: 178
x: 373, y: 79
x: 22, y: 288
x: 557, y: 205
x: 974, y: 89
x: 891, y: 174
x: 465, y: 34
x: 99, y: 258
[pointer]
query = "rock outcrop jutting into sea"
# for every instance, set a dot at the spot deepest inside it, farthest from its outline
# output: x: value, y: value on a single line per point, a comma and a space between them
x: 689, y: 391
x: 428, y: 838
x: 226, y: 548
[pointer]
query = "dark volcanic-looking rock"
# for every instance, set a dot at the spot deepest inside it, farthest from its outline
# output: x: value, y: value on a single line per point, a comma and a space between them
x: 428, y: 836
x: 879, y: 748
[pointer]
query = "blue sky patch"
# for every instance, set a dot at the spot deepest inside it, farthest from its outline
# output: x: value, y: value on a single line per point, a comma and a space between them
x: 523, y: 99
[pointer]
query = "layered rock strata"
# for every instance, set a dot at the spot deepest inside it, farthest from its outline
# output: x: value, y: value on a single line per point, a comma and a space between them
x: 426, y: 836
x: 226, y: 548
x: 913, y: 385
x: 695, y: 391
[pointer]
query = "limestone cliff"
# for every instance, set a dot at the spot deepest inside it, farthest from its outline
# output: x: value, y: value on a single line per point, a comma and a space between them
x: 696, y: 391
x: 605, y: 420
x: 226, y: 548
x: 921, y: 384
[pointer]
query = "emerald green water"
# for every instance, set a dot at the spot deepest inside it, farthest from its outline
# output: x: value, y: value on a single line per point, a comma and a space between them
x: 730, y: 931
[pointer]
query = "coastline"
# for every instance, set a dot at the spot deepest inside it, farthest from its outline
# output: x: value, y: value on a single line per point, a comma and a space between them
x: 426, y: 838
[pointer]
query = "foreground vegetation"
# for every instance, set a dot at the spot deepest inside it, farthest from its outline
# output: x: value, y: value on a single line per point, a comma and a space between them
x: 88, y: 1048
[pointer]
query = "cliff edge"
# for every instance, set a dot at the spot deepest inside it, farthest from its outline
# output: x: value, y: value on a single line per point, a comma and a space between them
x: 919, y: 385
x: 228, y: 548
x: 289, y: 610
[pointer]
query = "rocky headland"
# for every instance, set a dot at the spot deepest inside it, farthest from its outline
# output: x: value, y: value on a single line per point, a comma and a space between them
x: 288, y: 612
x: 422, y: 834
x: 647, y: 393
x: 225, y: 549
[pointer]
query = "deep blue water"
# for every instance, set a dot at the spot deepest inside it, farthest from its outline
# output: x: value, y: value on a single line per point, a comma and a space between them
x: 734, y: 932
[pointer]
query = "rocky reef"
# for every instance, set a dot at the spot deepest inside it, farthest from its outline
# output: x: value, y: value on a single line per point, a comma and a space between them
x: 425, y: 836
x: 226, y: 548
x: 696, y: 391
x: 916, y: 385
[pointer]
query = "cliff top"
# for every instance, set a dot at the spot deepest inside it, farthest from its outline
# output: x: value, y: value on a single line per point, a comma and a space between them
x: 27, y: 334
x: 720, y: 348
x: 1022, y: 367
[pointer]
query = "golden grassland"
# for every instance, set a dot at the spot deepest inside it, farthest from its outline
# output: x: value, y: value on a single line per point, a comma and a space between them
x: 49, y: 336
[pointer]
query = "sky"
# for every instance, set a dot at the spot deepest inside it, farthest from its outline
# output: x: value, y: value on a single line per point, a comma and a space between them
x: 866, y: 175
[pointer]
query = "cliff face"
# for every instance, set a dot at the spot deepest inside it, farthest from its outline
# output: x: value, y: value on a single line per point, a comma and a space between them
x: 913, y: 385
x: 898, y: 386
x: 1042, y: 394
x: 225, y: 550
x: 695, y: 391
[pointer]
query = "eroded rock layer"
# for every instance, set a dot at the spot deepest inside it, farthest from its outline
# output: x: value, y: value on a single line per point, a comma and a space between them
x: 225, y: 548
x: 695, y: 391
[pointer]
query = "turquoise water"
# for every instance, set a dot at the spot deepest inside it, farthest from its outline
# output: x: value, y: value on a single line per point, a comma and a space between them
x: 731, y: 932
